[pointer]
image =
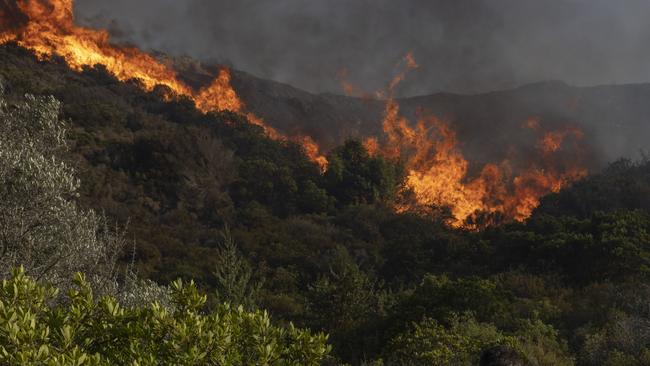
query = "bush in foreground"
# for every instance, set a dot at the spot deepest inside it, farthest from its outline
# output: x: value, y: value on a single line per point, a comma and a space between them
x: 84, y: 331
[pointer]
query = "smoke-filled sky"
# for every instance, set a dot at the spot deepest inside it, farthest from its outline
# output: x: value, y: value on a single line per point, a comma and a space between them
x: 462, y: 45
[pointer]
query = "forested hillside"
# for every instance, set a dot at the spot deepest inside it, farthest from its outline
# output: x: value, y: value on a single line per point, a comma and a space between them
x: 255, y: 223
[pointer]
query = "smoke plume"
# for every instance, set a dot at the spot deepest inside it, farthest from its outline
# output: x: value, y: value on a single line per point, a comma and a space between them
x: 463, y: 46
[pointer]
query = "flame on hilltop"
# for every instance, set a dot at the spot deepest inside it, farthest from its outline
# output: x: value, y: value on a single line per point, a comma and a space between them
x: 438, y: 173
x: 219, y: 95
x: 225, y: 97
x: 47, y: 28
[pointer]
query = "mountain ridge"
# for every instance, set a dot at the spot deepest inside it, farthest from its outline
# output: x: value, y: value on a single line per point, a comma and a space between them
x: 614, y: 118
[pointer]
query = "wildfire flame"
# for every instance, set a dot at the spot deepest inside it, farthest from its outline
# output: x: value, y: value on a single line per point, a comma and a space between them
x: 552, y: 141
x: 438, y: 173
x: 47, y: 28
x: 348, y: 88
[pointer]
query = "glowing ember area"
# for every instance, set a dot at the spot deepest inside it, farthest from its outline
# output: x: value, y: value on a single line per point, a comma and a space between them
x: 552, y: 141
x: 438, y: 173
x: 47, y: 28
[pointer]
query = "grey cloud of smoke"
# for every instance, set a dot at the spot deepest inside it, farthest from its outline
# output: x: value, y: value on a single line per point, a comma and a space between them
x: 462, y: 46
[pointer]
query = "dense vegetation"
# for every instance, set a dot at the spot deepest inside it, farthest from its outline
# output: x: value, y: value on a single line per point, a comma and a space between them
x: 84, y: 330
x: 254, y: 223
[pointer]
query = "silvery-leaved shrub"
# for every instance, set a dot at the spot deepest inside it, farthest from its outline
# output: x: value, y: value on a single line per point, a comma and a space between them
x: 41, y: 227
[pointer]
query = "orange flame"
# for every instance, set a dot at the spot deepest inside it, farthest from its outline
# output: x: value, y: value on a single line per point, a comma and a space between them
x: 219, y: 95
x: 532, y: 123
x: 47, y: 28
x: 312, y: 150
x: 552, y: 141
x: 348, y: 88
x: 411, y: 65
x: 438, y: 173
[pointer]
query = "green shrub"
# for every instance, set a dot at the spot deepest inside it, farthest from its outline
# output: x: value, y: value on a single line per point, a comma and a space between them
x: 86, y: 331
x: 431, y: 343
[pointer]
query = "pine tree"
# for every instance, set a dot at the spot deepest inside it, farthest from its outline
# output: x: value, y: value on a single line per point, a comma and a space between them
x: 234, y: 275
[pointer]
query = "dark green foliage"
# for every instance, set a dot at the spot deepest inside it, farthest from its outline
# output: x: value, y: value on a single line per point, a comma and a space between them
x: 623, y: 185
x: 500, y: 355
x: 605, y: 246
x: 233, y: 276
x: 355, y: 177
x: 439, y: 297
x: 416, y: 245
x: 430, y: 343
x: 349, y: 304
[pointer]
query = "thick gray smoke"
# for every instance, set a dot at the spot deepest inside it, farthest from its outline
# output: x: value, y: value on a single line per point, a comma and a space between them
x: 462, y: 46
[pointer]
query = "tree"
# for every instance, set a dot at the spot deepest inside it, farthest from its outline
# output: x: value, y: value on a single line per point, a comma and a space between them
x: 611, y: 245
x: 354, y: 177
x: 349, y: 305
x: 41, y: 227
x: 440, y: 297
x: 233, y: 275
x: 462, y: 340
x: 430, y: 343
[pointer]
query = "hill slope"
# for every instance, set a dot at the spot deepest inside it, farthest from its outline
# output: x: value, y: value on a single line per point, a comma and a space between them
x: 615, y: 119
x: 330, y: 249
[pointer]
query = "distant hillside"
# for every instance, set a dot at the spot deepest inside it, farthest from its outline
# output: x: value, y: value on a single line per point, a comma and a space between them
x: 615, y: 119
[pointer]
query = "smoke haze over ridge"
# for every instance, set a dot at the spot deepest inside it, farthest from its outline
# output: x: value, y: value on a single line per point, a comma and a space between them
x: 463, y: 46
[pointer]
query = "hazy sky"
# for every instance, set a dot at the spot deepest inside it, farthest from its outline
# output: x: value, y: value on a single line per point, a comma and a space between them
x: 461, y: 45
